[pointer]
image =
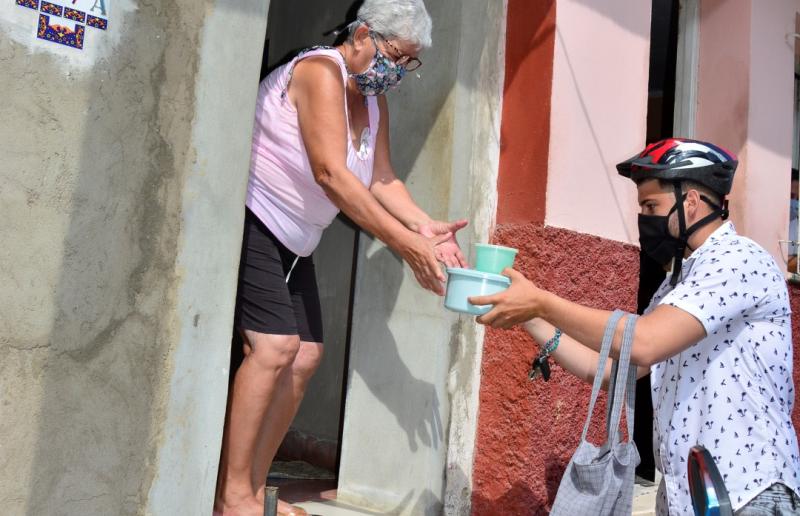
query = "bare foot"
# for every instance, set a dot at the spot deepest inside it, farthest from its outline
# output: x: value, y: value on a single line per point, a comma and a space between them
x: 248, y: 506
x: 285, y: 509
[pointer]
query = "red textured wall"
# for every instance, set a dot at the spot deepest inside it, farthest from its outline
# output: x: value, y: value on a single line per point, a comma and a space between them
x: 525, y: 130
x: 527, y: 431
x: 794, y: 298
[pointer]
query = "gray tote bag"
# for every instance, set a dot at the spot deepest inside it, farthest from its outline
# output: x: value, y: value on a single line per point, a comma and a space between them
x: 599, y: 479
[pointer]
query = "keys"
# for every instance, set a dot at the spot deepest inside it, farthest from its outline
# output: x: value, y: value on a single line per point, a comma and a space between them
x: 540, y: 367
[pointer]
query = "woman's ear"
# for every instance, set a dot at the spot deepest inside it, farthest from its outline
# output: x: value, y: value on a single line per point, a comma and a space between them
x: 361, y: 37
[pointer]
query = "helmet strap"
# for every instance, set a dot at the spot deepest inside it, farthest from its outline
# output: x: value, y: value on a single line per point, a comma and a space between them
x: 684, y: 233
x: 680, y: 249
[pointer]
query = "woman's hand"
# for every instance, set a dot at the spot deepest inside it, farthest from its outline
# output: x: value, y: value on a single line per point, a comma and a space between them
x: 448, y: 252
x: 419, y: 252
x: 517, y: 304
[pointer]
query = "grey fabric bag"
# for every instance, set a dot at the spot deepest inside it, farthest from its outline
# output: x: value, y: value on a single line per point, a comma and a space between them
x: 599, y: 479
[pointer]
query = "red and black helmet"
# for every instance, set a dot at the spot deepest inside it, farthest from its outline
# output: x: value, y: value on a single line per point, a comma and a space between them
x: 681, y: 159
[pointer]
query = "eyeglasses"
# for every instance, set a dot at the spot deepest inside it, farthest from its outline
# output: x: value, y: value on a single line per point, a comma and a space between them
x: 406, y: 61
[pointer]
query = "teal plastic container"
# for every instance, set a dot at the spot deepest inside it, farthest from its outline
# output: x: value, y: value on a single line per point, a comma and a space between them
x: 465, y: 283
x: 493, y: 258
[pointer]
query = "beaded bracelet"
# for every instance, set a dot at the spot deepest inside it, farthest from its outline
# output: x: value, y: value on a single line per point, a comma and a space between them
x: 551, y: 345
x: 541, y: 365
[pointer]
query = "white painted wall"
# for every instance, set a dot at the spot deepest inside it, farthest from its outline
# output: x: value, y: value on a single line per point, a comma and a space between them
x: 745, y: 103
x: 764, y: 195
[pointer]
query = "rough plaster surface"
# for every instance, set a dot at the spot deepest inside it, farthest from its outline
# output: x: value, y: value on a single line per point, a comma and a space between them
x: 597, y: 118
x: 413, y: 378
x: 527, y: 431
x: 19, y: 24
x: 91, y: 195
x: 477, y: 150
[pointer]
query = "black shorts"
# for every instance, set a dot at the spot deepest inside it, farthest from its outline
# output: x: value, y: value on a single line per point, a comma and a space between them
x: 265, y: 302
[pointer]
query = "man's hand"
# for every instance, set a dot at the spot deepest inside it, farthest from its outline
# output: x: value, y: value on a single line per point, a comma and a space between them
x: 447, y: 252
x: 517, y: 304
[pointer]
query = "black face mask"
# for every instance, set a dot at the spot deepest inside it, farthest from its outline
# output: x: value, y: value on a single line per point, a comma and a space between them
x: 655, y: 239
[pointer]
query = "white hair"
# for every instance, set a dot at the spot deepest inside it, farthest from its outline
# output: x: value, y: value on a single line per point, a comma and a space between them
x: 406, y: 20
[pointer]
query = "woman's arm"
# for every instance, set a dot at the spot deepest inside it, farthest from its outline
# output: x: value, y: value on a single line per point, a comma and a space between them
x: 319, y: 97
x: 395, y: 197
x: 387, y: 189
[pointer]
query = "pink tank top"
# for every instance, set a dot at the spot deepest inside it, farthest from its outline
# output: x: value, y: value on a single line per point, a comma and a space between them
x: 281, y: 190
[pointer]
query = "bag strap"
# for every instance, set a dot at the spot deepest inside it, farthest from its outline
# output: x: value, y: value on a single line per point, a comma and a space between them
x: 630, y: 400
x: 622, y: 384
x: 605, y: 348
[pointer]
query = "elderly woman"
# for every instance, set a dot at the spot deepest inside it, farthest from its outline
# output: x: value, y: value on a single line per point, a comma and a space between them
x: 320, y: 145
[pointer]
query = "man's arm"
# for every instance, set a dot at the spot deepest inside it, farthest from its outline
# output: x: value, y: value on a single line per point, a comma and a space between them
x: 571, y: 354
x: 664, y: 332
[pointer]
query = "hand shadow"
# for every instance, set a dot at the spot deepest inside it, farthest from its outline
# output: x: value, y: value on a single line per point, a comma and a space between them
x: 414, y: 402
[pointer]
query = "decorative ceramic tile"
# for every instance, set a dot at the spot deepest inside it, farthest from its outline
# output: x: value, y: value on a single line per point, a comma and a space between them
x: 98, y: 23
x: 31, y: 4
x: 51, y: 8
x: 75, y: 15
x: 60, y: 34
x: 65, y: 21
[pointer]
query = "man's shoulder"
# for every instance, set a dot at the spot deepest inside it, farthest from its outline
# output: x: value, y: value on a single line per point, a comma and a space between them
x: 732, y: 247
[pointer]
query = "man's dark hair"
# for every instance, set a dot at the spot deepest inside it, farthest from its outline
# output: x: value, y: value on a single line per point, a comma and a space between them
x: 685, y: 187
x: 795, y: 174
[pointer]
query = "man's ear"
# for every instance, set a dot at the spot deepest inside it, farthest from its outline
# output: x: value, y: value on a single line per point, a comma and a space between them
x: 692, y: 202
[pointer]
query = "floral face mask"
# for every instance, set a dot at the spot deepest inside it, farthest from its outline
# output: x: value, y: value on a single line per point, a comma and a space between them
x: 382, y: 74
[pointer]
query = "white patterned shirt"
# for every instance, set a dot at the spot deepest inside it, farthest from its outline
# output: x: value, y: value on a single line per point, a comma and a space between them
x: 732, y: 392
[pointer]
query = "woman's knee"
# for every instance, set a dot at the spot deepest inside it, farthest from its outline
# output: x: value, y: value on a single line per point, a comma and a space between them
x: 308, y: 359
x: 272, y: 351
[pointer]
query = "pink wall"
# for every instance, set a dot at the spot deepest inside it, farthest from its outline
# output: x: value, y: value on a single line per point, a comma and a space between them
x: 745, y: 102
x: 599, y: 114
x: 589, y: 103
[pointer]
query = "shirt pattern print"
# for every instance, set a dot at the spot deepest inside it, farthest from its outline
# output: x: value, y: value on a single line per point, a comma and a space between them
x: 732, y: 392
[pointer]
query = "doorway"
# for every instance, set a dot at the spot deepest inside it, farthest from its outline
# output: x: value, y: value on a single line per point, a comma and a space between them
x: 311, y: 447
x: 664, y: 32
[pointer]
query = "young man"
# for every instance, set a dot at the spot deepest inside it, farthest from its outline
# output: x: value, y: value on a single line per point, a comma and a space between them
x: 716, y: 336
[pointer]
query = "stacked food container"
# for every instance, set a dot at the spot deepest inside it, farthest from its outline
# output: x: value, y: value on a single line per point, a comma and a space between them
x: 484, y: 280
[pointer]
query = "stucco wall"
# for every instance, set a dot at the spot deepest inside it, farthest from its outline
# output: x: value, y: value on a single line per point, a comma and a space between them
x: 122, y: 187
x: 412, y: 363
x: 528, y: 430
x: 745, y: 103
x: 599, y: 114
x: 594, y: 117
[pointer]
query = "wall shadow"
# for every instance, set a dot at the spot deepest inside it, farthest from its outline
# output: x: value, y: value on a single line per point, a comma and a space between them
x: 414, y: 402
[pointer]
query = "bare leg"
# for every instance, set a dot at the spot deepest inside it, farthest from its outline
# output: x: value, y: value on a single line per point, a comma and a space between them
x: 254, y: 388
x: 289, y: 393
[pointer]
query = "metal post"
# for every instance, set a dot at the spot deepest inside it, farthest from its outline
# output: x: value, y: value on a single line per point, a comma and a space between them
x: 271, y: 501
